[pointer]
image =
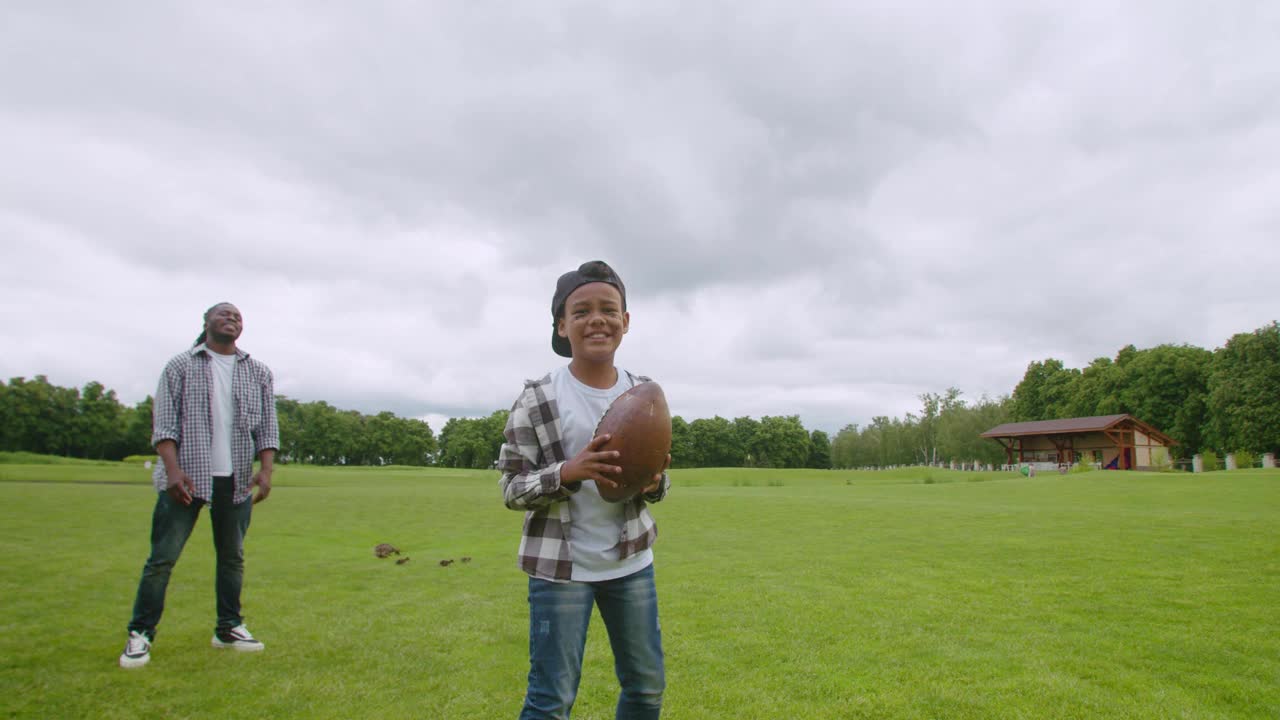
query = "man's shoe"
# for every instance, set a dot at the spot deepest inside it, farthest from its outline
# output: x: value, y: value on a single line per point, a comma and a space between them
x: 137, y: 652
x: 237, y: 638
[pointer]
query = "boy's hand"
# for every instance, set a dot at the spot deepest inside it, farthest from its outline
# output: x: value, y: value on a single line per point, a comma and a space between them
x: 657, y: 479
x: 592, y: 463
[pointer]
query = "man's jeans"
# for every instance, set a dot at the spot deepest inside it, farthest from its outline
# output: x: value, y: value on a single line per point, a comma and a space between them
x: 558, y: 618
x: 171, y: 525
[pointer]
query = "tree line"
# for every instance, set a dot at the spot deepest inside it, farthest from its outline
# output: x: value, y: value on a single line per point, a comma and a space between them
x: 318, y: 433
x: 1225, y: 400
x: 37, y: 416
x: 40, y: 417
x: 946, y: 428
x: 1219, y: 401
x: 771, y: 441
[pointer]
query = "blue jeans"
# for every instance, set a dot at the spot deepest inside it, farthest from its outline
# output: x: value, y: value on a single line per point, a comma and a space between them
x: 558, y: 617
x: 171, y: 524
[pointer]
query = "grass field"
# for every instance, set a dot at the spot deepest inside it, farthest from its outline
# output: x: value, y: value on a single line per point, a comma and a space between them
x: 784, y: 594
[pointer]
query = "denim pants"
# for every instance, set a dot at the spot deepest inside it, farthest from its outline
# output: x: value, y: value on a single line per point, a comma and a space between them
x: 171, y: 525
x: 558, y: 617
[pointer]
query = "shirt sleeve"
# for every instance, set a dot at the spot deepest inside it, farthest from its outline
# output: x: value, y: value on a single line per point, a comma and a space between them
x: 524, y: 483
x: 166, y: 416
x: 661, y: 493
x: 267, y: 436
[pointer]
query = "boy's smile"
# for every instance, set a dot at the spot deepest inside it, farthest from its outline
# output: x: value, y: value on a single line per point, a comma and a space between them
x: 594, y: 322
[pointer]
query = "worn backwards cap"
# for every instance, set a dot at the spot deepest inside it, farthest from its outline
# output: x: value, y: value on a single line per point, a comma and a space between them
x: 587, y: 272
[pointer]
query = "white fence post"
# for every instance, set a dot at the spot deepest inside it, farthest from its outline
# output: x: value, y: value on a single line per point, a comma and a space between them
x: 1268, y: 460
x: 1197, y: 463
x: 1231, y: 461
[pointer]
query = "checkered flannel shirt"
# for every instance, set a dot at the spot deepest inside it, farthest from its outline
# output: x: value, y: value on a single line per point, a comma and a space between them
x: 182, y: 413
x: 530, y: 462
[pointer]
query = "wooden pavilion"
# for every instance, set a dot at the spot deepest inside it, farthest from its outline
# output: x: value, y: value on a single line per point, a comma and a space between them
x: 1118, y: 442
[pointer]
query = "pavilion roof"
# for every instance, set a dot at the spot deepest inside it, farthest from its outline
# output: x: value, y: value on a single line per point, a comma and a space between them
x: 1067, y: 426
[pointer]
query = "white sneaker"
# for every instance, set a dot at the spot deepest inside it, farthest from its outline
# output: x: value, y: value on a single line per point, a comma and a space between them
x: 137, y: 652
x: 238, y: 638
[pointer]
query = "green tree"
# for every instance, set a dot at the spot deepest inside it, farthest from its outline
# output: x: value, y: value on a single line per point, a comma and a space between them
x: 1244, y: 392
x: 382, y: 432
x: 98, y: 428
x: 780, y: 442
x: 844, y: 452
x: 882, y: 441
x: 744, y: 433
x: 417, y: 444
x: 986, y: 414
x: 137, y: 429
x: 399, y: 441
x: 456, y: 445
x: 1045, y: 391
x: 289, y: 419
x: 353, y: 445
x: 41, y: 417
x: 8, y: 423
x: 1167, y: 386
x: 472, y: 442
x: 320, y: 434
x: 316, y: 432
x: 683, y: 451
x: 819, y: 450
x: 926, y: 428
x: 494, y: 425
x: 718, y: 442
x: 1096, y: 391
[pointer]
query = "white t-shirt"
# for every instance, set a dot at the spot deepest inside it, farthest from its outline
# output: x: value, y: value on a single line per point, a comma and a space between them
x: 223, y: 411
x: 597, y: 523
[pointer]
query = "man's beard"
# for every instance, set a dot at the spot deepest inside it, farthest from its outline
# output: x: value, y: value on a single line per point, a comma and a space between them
x: 220, y: 337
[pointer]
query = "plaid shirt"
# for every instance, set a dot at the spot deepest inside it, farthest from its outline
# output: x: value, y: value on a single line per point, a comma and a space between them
x: 530, y: 462
x: 182, y: 413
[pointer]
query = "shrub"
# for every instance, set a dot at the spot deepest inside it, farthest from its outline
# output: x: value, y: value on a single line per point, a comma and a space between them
x: 1160, y: 461
x: 1082, y: 466
x: 1245, y: 459
x: 30, y: 458
x: 1210, y: 461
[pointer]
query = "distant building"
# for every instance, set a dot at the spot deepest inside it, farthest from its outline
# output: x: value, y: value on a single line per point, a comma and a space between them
x: 1118, y: 442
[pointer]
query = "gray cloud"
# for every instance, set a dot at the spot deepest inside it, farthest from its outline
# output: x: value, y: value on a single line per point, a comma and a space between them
x: 820, y: 209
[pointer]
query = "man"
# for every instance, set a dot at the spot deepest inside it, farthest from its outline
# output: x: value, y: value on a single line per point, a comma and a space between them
x: 214, y: 412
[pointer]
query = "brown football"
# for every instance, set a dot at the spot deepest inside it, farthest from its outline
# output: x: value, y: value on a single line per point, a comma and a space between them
x: 639, y: 424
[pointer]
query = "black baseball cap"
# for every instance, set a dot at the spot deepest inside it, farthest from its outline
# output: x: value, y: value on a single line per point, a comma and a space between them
x: 587, y: 272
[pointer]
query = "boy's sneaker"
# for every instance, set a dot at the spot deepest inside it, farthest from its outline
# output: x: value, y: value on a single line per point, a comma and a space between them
x: 137, y: 652
x: 237, y: 638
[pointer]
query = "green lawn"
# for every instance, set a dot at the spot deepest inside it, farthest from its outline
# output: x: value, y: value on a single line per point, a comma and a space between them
x: 784, y: 594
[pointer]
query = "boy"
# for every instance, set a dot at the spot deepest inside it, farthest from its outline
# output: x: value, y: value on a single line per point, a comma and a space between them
x: 577, y: 548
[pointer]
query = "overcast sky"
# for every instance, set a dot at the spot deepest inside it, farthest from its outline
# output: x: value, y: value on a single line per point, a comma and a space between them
x: 822, y: 208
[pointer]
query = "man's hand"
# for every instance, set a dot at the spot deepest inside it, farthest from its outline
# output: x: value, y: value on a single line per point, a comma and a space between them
x: 592, y: 464
x: 657, y: 479
x: 261, y: 480
x: 180, y: 486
